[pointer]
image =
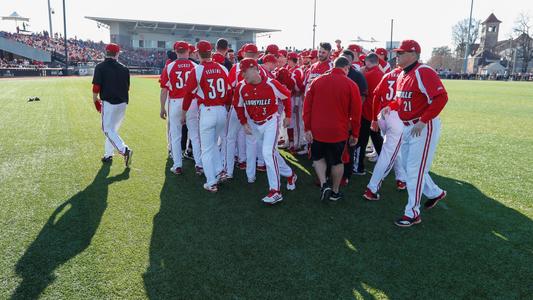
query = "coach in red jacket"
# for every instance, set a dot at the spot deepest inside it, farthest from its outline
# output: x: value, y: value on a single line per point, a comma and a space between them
x: 332, y: 107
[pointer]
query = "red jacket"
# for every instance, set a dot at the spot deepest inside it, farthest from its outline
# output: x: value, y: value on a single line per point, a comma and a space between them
x: 370, y: 107
x: 332, y: 108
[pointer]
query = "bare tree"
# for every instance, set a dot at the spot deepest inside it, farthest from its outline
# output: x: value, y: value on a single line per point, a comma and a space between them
x: 522, y: 28
x: 441, y: 58
x: 460, y: 35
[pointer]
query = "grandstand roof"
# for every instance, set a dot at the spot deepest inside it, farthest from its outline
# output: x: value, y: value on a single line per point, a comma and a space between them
x: 171, y: 27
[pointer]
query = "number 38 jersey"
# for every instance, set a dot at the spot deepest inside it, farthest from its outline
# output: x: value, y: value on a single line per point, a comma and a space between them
x: 418, y: 93
x: 208, y: 82
x: 174, y: 77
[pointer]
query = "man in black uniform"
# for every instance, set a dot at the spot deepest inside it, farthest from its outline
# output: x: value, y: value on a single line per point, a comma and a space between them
x: 111, y: 81
x: 222, y: 47
x: 360, y: 80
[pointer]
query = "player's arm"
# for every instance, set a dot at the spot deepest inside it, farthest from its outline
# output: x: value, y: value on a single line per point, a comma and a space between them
x: 356, y: 106
x: 163, y: 83
x: 284, y: 94
x: 97, y: 83
x: 438, y: 97
x: 308, y: 107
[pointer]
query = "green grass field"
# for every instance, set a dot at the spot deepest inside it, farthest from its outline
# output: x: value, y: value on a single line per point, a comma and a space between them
x: 74, y: 229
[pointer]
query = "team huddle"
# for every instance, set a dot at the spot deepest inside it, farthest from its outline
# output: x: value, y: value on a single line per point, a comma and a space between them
x: 228, y: 110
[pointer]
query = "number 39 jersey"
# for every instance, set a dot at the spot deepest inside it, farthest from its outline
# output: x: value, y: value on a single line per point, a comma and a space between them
x: 208, y: 82
x: 174, y: 77
x: 415, y: 91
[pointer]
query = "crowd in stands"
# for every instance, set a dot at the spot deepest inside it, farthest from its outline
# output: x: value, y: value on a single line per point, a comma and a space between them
x: 85, y: 51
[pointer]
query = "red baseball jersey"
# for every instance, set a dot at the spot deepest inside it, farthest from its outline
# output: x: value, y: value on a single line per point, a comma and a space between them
x: 261, y: 100
x: 384, y: 66
x: 386, y: 89
x: 297, y: 76
x: 174, y: 77
x: 317, y: 69
x: 208, y: 82
x: 373, y: 77
x: 420, y: 94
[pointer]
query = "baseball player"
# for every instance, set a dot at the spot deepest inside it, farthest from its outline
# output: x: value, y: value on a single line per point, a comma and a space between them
x: 296, y: 129
x: 357, y: 51
x: 392, y: 127
x: 258, y: 96
x: 383, y: 63
x: 209, y: 83
x: 234, y: 127
x: 111, y: 81
x: 420, y: 97
x: 173, y: 79
x: 322, y: 66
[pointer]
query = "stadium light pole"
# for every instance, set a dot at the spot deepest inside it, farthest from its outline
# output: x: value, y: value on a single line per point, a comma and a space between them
x: 314, y: 24
x: 391, y: 31
x: 65, y: 37
x: 50, y: 19
x: 467, y: 48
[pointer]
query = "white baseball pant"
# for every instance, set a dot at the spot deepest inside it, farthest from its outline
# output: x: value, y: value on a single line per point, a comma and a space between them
x: 212, y: 127
x: 229, y: 142
x: 390, y: 156
x: 275, y: 164
x: 193, y: 129
x: 417, y: 154
x: 175, y: 111
x: 112, y: 116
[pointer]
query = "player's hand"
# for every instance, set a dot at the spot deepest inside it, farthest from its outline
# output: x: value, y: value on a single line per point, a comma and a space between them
x: 183, y: 117
x: 247, y: 129
x: 417, y: 129
x: 374, y: 126
x: 163, y: 114
x: 384, y: 112
x: 353, y: 141
x: 98, y: 105
x: 309, y: 136
x: 286, y: 122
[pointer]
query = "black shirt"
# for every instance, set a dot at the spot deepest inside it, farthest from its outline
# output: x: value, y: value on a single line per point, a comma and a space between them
x: 360, y: 80
x: 227, y: 63
x: 114, y: 81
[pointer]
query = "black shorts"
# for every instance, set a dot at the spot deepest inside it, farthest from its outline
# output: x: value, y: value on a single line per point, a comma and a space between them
x: 332, y: 152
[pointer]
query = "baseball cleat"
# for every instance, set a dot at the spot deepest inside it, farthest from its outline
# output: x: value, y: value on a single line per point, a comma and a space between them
x: 302, y: 151
x: 199, y: 170
x: 360, y: 173
x: 262, y: 168
x: 107, y: 159
x: 251, y: 180
x: 176, y: 170
x: 291, y: 182
x: 368, y: 195
x: 187, y: 155
x: 128, y: 154
x: 325, y: 192
x: 430, y: 203
x: 400, y: 185
x: 272, y: 198
x: 373, y: 159
x: 211, y: 188
x: 335, y: 196
x: 407, y: 222
x: 223, y: 176
x: 241, y: 165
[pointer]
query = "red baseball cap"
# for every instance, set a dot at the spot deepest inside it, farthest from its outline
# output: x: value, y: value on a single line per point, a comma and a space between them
x: 292, y: 55
x: 355, y: 48
x: 408, y: 46
x: 283, y: 52
x: 313, y: 54
x: 113, y: 48
x: 250, y: 48
x: 269, y: 58
x: 381, y: 51
x: 362, y: 57
x: 181, y: 45
x: 192, y: 48
x: 219, y: 58
x: 304, y: 54
x: 273, y: 49
x: 204, y: 46
x: 247, y: 63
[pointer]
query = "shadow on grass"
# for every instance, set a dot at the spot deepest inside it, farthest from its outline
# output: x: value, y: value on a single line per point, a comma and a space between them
x: 231, y: 246
x: 67, y: 233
